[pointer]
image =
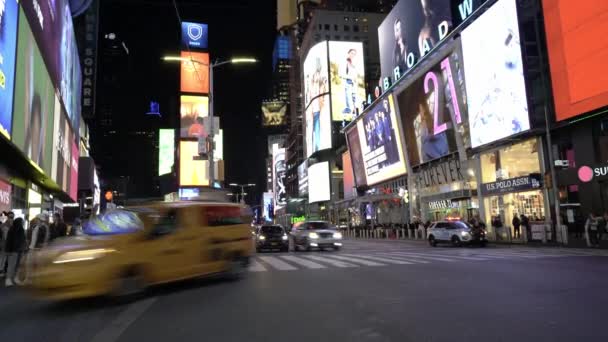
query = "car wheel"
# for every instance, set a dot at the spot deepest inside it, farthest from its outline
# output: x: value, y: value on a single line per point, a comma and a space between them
x: 129, y: 286
x: 237, y: 268
x: 432, y: 241
x: 455, y: 241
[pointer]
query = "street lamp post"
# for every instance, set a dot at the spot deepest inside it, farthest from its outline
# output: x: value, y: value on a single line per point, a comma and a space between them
x: 242, y: 186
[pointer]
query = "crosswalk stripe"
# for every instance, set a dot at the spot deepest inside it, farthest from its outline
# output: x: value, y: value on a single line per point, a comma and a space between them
x: 357, y: 260
x: 446, y: 255
x: 277, y: 263
x: 410, y: 260
x: 389, y: 260
x: 330, y: 261
x: 302, y: 262
x: 437, y: 258
x: 255, y: 266
x: 485, y: 255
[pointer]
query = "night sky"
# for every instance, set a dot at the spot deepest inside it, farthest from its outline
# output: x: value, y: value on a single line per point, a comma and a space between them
x: 151, y: 30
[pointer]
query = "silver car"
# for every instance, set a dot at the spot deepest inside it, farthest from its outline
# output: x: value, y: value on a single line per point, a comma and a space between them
x: 315, y: 234
x: 455, y: 232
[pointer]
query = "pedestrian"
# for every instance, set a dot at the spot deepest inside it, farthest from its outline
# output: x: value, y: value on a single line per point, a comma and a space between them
x: 601, y: 227
x: 7, y: 218
x: 525, y: 222
x: 15, y: 245
x: 497, y: 225
x: 58, y: 229
x: 591, y: 230
x: 516, y: 224
x: 39, y: 236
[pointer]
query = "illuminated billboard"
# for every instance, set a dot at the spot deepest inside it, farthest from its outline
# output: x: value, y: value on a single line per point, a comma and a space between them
x: 194, y: 72
x: 193, y: 170
x: 379, y: 144
x: 433, y: 110
x: 278, y: 177
x: 494, y: 73
x: 192, y: 111
x: 75, y: 156
x: 318, y: 183
x: 303, y: 178
x: 274, y: 113
x: 268, y: 206
x: 218, y: 153
x: 348, y: 176
x: 316, y: 99
x: 578, y: 59
x: 194, y: 35
x: 410, y: 31
x: 166, y: 150
x: 8, y: 46
x: 62, y: 144
x: 347, y: 78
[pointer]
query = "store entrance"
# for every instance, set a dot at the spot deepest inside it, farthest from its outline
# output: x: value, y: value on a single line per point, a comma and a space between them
x: 506, y: 207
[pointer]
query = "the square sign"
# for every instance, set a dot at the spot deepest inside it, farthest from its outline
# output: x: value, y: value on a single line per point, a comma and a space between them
x: 194, y: 35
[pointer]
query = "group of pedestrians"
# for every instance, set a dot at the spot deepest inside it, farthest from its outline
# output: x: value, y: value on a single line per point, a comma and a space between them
x: 595, y: 228
x: 17, y: 244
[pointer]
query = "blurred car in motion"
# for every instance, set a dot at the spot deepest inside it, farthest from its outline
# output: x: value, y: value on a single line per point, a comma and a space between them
x: 271, y: 237
x: 125, y: 251
x: 456, y: 232
x: 316, y: 234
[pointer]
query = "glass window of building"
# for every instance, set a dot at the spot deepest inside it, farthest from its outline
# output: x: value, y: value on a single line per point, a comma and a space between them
x: 326, y: 27
x: 356, y: 28
x: 335, y: 27
x: 346, y: 28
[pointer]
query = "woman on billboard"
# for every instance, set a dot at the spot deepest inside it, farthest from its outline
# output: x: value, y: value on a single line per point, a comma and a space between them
x: 350, y: 75
x: 429, y: 33
x: 400, y: 51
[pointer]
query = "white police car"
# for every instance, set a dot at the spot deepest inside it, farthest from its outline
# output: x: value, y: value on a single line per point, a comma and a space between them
x: 455, y: 232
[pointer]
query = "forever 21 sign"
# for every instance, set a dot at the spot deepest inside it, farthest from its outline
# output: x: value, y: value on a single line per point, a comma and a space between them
x: 444, y: 173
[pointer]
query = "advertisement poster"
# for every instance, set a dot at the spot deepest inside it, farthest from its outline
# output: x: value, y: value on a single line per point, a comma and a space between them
x: 194, y: 72
x: 192, y: 111
x: 410, y: 31
x: 303, y: 178
x: 9, y: 13
x: 278, y: 177
x: 34, y: 102
x: 318, y: 183
x: 193, y: 171
x: 316, y: 99
x: 576, y: 35
x: 51, y: 25
x: 433, y: 110
x: 75, y: 155
x: 274, y: 113
x: 318, y: 125
x: 494, y: 72
x: 166, y: 150
x: 62, y: 145
x: 349, y: 178
x: 194, y: 35
x: 268, y: 206
x: 5, y: 196
x: 354, y: 148
x: 347, y: 76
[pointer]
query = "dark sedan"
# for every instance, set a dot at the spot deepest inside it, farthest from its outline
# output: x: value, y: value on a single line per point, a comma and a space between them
x: 271, y: 237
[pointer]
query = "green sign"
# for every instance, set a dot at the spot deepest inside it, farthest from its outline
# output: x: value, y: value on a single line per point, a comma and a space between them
x: 166, y: 150
x: 296, y: 219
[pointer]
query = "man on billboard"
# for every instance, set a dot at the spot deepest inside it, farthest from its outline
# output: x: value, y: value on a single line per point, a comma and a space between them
x: 349, y: 73
x: 400, y: 51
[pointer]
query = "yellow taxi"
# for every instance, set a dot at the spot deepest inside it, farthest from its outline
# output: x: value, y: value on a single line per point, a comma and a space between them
x: 124, y: 251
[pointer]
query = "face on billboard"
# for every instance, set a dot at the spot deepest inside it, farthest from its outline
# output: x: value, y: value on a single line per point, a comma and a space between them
x: 193, y: 171
x: 278, y: 175
x: 195, y: 72
x: 354, y: 149
x: 410, y: 31
x: 577, y: 57
x: 166, y: 150
x: 8, y: 45
x: 380, y: 141
x: 318, y: 125
x: 318, y: 183
x: 34, y: 104
x: 274, y: 113
x: 494, y: 73
x: 194, y: 35
x: 433, y: 110
x: 347, y: 75
x: 192, y: 111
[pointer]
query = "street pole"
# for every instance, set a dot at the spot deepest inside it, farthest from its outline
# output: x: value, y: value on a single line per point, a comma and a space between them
x: 211, y: 133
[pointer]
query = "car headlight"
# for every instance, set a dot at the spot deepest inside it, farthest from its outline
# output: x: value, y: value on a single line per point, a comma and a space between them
x: 284, y: 237
x: 261, y: 237
x: 464, y: 233
x: 313, y: 235
x: 337, y: 235
x: 83, y: 255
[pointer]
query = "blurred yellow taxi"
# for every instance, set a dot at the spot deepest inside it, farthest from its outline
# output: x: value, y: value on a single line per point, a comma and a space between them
x: 126, y: 250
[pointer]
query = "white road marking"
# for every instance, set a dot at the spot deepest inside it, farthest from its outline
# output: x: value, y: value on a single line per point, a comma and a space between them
x: 119, y: 325
x: 389, y: 260
x: 408, y: 260
x: 432, y: 254
x: 277, y: 263
x: 410, y: 255
x: 357, y: 260
x: 302, y: 262
x: 255, y: 266
x: 329, y: 261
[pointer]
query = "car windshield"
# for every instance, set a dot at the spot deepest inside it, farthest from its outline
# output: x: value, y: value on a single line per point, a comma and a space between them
x: 271, y: 230
x: 317, y: 225
x: 113, y: 223
x: 461, y: 225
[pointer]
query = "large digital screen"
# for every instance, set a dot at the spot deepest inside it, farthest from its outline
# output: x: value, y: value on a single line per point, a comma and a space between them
x: 319, y: 189
x: 268, y: 209
x: 316, y: 99
x: 34, y: 104
x: 9, y: 13
x: 494, y: 73
x: 433, y: 110
x: 62, y: 145
x: 194, y: 72
x: 347, y: 76
x: 194, y: 35
x: 303, y: 178
x: 348, y: 176
x: 356, y: 157
x: 51, y: 24
x: 380, y: 143
x: 193, y: 170
x: 166, y: 150
x: 278, y: 177
x: 578, y: 55
x: 318, y: 125
x: 75, y: 156
x: 192, y: 111
x: 274, y: 113
x: 410, y: 31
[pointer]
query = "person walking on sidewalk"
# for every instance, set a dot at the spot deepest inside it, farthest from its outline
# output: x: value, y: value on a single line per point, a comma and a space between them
x: 39, y: 238
x: 601, y: 227
x: 516, y: 224
x: 8, y: 218
x: 15, y: 246
x: 58, y: 229
x: 591, y: 230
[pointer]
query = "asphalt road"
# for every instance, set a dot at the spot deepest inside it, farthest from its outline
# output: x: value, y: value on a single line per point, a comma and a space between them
x: 370, y: 291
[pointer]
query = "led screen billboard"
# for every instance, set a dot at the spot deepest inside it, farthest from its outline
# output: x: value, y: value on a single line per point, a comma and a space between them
x: 318, y: 125
x: 274, y: 113
x: 356, y: 157
x: 319, y: 189
x: 494, y: 73
x: 194, y: 72
x: 348, y: 176
x: 62, y: 145
x: 379, y: 144
x: 433, y: 110
x: 303, y: 178
x: 278, y: 177
x: 34, y: 104
x: 9, y: 14
x: 268, y: 206
x: 410, y: 31
x: 193, y: 170
x: 316, y: 99
x: 75, y: 156
x: 194, y: 35
x: 166, y: 150
x: 51, y: 24
x: 192, y: 111
x: 347, y: 78
x: 578, y: 56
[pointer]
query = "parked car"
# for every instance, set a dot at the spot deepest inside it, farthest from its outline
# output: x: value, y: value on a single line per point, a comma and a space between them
x: 316, y: 234
x: 271, y: 237
x: 455, y: 232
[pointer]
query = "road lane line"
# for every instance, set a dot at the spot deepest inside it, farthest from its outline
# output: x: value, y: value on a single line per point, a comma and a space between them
x: 356, y: 260
x: 303, y: 262
x: 388, y: 260
x: 330, y: 261
x: 119, y: 325
x: 277, y: 263
x: 255, y: 266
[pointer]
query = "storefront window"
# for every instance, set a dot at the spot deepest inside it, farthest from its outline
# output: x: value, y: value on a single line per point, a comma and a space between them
x: 488, y: 167
x: 510, y: 162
